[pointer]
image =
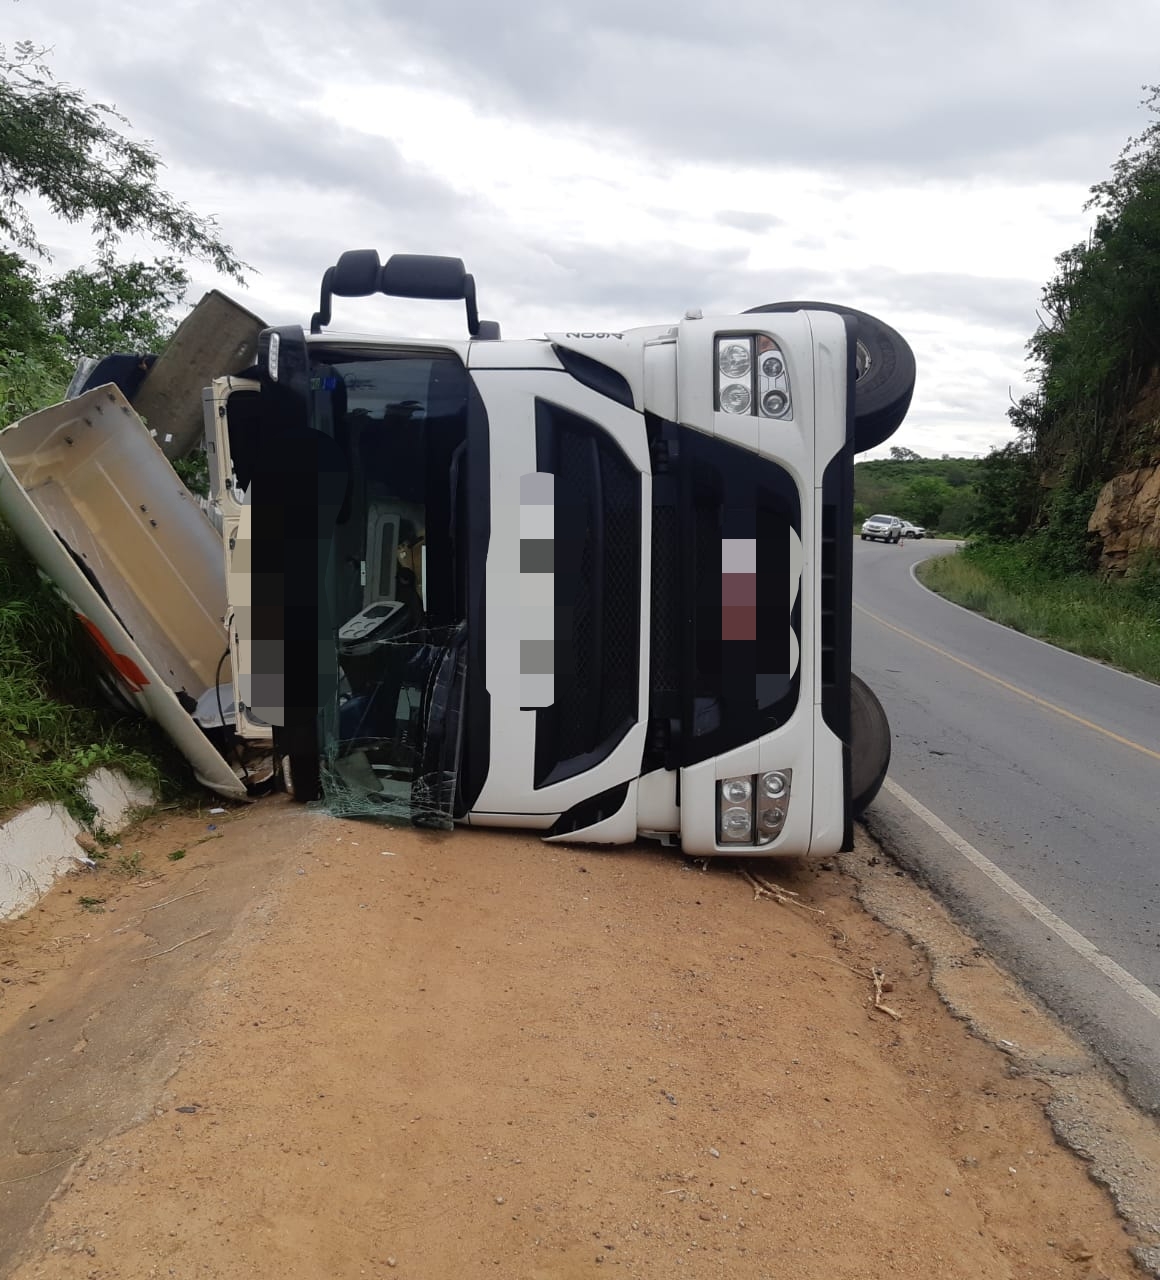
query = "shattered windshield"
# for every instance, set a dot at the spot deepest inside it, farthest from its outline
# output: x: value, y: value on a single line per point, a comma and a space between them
x: 395, y: 581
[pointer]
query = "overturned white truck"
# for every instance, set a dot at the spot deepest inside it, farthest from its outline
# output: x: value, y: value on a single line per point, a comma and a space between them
x: 596, y: 585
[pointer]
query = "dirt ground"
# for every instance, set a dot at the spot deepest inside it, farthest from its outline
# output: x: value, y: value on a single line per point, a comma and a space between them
x: 320, y: 1048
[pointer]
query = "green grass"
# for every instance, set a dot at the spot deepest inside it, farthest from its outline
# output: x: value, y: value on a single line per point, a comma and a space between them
x: 54, y: 727
x: 1115, y: 621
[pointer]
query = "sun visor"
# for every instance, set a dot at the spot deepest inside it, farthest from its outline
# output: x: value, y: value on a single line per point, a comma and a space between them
x: 608, y: 362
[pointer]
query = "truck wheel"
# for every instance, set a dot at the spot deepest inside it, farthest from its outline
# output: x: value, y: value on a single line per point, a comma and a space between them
x: 885, y: 373
x: 303, y: 777
x: 869, y: 745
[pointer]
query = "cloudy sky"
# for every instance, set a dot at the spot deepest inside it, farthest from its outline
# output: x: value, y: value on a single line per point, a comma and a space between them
x: 605, y: 163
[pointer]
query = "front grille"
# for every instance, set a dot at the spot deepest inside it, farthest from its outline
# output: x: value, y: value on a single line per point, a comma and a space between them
x: 665, y: 640
x: 731, y: 691
x: 828, y: 593
x: 597, y: 595
x: 576, y: 683
x: 621, y: 573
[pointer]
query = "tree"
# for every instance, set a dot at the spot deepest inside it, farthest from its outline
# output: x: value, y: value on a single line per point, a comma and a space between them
x: 900, y: 454
x: 70, y: 152
x: 115, y: 306
x: 1008, y: 492
x: 958, y: 511
x: 1099, y: 337
x: 925, y: 498
x: 57, y: 146
x: 33, y: 361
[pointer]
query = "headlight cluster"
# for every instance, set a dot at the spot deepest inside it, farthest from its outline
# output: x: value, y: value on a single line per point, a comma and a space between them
x: 752, y: 377
x: 751, y: 810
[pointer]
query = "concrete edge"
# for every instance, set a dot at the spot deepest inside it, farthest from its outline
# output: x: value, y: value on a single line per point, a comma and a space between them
x: 39, y: 845
x: 1089, y: 1110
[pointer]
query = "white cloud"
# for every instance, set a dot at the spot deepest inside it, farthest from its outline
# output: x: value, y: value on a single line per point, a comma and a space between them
x: 615, y: 163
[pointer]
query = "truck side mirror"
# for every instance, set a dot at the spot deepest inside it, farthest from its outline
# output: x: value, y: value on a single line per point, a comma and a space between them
x: 422, y: 275
x: 358, y: 274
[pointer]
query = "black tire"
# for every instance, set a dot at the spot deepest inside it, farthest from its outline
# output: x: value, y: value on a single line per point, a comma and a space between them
x: 882, y: 393
x: 302, y: 775
x: 863, y: 537
x: 869, y: 745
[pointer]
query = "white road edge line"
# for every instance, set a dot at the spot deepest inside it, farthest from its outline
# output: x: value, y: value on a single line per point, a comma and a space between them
x: 1089, y: 951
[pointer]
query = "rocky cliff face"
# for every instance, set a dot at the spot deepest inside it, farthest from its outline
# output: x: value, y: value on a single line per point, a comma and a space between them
x: 1127, y: 517
x: 1127, y: 513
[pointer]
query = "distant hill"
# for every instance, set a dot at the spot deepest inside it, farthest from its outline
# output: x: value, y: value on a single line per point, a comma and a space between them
x: 939, y: 493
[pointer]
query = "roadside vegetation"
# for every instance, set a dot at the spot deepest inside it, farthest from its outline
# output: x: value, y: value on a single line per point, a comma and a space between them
x: 1092, y: 414
x: 1115, y: 620
x: 75, y: 157
x: 54, y: 727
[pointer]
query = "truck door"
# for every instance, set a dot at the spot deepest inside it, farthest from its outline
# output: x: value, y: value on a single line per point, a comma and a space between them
x: 232, y: 435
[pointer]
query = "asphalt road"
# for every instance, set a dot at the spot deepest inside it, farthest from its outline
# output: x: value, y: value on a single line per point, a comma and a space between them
x: 1048, y: 766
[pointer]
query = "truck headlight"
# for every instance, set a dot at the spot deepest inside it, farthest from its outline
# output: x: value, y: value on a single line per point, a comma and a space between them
x: 752, y: 810
x: 752, y: 377
x: 735, y: 359
x: 772, y: 820
x: 774, y: 785
x: 772, y: 380
x: 736, y: 790
x: 735, y: 398
x: 774, y: 403
x: 736, y: 824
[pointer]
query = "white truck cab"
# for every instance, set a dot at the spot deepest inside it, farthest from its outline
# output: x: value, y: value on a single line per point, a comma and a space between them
x: 595, y: 585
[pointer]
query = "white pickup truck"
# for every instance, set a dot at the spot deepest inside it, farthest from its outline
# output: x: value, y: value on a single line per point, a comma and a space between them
x: 595, y: 585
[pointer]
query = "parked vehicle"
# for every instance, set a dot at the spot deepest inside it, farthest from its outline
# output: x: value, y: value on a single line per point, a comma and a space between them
x: 882, y: 529
x: 912, y: 530
x: 595, y: 585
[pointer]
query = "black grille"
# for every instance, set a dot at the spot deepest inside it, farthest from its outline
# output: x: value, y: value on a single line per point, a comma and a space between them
x: 707, y: 547
x: 621, y: 486
x: 577, y: 487
x: 829, y: 595
x: 597, y: 586
x: 731, y: 691
x: 665, y: 641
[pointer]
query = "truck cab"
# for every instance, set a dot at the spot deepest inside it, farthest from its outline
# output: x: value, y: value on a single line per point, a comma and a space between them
x: 595, y: 585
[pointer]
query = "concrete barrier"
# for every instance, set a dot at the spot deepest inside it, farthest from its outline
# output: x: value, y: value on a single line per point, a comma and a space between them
x: 39, y: 844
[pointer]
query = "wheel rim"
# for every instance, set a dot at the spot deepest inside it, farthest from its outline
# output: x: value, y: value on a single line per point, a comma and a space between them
x: 862, y: 360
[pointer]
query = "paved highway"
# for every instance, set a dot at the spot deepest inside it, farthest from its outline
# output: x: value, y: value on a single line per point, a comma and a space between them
x: 1025, y: 785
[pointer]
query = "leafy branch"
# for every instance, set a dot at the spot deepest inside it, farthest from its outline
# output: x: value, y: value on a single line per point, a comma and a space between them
x: 73, y: 153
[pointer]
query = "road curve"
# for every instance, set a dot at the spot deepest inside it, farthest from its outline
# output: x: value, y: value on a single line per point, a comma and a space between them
x: 1047, y: 767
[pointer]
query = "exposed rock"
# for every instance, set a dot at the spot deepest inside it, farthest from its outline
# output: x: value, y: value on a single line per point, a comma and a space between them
x: 1127, y: 517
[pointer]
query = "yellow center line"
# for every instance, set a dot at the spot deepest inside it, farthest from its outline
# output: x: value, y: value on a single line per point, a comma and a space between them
x: 1014, y: 688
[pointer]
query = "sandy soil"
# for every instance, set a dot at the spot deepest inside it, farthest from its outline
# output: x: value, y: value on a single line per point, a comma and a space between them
x: 313, y: 1048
